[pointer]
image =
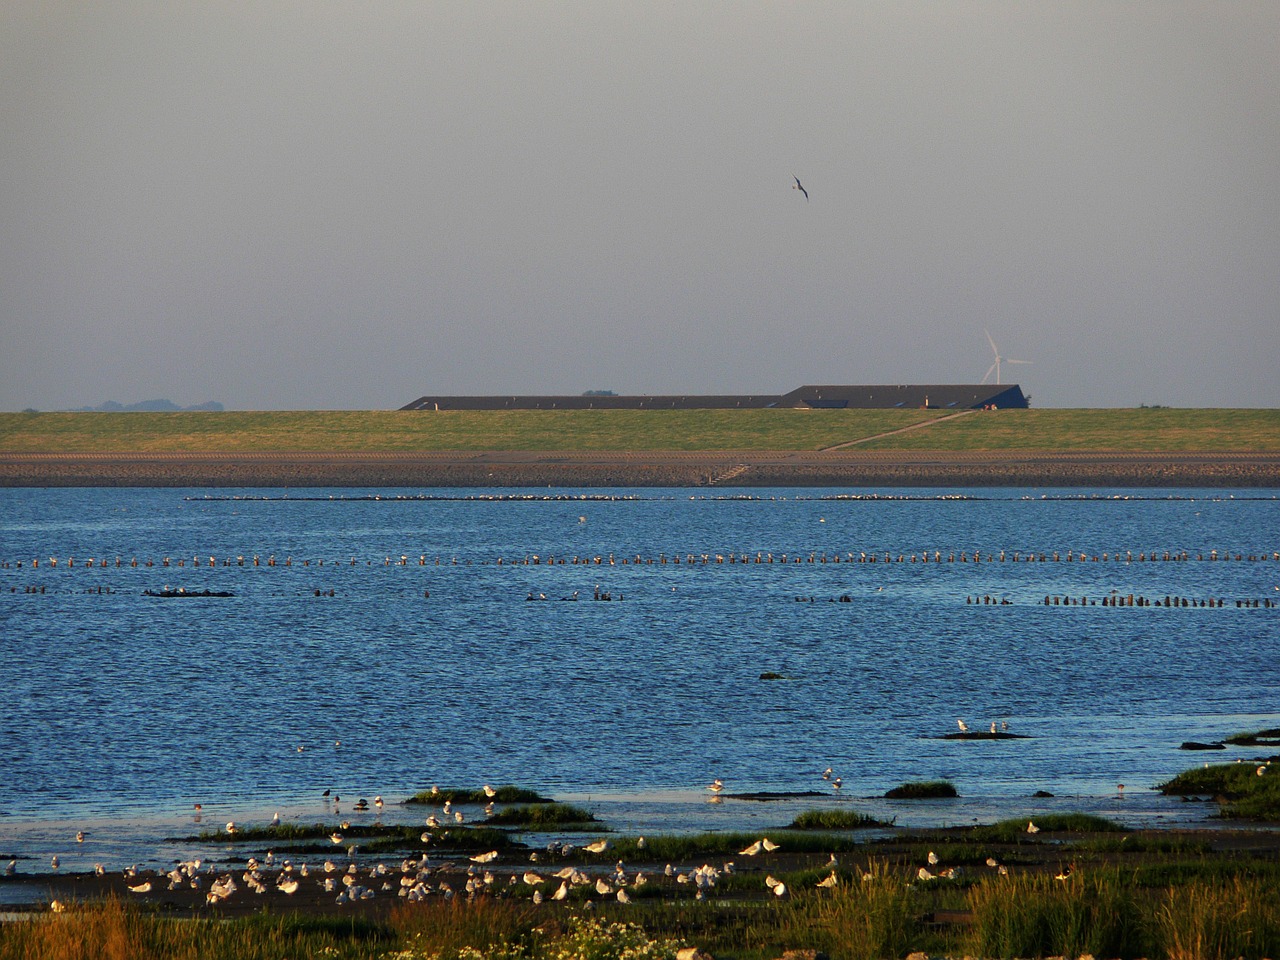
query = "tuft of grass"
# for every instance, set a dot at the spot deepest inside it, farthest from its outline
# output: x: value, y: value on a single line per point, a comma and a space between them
x: 836, y: 820
x: 111, y: 930
x: 871, y: 916
x: 923, y: 790
x: 503, y: 794
x: 1239, y: 918
x: 333, y: 928
x: 1035, y: 915
x: 539, y: 816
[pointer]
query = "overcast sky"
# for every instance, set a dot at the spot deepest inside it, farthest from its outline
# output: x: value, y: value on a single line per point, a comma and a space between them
x: 352, y: 204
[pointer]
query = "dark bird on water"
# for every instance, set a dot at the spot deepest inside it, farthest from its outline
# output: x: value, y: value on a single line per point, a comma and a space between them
x: 799, y: 186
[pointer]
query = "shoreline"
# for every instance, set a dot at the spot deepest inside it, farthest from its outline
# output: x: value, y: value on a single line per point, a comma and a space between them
x: 642, y: 469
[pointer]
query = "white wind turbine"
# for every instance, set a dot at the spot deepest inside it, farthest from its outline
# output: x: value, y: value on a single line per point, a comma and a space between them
x: 999, y: 360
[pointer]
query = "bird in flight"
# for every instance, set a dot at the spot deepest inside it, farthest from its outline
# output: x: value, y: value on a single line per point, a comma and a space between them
x: 799, y: 186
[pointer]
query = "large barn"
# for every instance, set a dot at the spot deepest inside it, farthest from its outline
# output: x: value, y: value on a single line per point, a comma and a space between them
x: 881, y: 397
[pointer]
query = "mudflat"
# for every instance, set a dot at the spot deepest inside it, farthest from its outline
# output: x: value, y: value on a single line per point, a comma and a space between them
x: 706, y: 468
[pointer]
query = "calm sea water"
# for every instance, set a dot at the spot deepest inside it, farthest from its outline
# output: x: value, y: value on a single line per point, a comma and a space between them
x: 126, y: 709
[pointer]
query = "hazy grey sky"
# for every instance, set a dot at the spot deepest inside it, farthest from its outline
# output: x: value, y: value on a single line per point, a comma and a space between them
x: 351, y: 204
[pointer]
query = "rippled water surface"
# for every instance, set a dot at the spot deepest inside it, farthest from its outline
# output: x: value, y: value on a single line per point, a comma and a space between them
x: 438, y: 668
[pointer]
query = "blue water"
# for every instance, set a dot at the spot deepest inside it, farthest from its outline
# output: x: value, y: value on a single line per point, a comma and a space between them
x: 121, y: 707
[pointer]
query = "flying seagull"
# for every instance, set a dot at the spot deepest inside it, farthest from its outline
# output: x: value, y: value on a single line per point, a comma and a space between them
x: 799, y: 186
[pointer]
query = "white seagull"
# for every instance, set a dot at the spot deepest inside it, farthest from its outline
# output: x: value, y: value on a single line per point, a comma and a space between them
x: 799, y: 186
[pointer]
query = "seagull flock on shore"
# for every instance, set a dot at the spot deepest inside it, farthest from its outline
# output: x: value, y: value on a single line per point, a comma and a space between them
x: 420, y: 877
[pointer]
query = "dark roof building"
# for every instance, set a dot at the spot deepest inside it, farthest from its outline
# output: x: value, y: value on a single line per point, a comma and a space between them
x: 946, y: 396
x: 593, y: 402
x: 939, y: 396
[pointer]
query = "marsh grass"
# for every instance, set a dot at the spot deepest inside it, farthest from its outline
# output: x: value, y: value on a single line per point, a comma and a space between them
x: 111, y: 930
x: 923, y: 790
x: 836, y: 820
x: 1203, y: 870
x: 281, y: 832
x: 1267, y: 738
x: 294, y: 831
x: 1038, y: 916
x: 537, y: 816
x: 1015, y: 831
x: 951, y: 851
x: 370, y: 838
x: 1106, y: 912
x: 1240, y: 791
x: 1143, y: 843
x: 503, y: 794
x: 729, y: 845
x: 445, y: 927
x: 870, y: 917
x: 1238, y: 918
x: 1226, y: 779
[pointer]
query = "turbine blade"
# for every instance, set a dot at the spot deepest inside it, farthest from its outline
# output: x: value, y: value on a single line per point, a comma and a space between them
x: 988, y: 373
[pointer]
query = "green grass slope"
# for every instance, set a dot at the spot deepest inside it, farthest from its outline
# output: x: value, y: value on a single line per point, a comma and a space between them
x: 1142, y: 430
x: 1127, y: 430
x: 415, y: 431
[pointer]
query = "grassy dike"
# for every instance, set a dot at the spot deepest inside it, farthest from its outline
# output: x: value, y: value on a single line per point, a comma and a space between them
x: 423, y: 432
x: 1117, y: 430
